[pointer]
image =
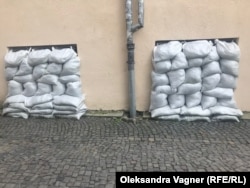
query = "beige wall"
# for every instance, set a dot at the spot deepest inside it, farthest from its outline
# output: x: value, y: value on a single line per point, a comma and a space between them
x: 98, y: 28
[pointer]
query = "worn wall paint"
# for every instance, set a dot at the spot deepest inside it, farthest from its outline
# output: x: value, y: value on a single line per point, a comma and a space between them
x: 98, y: 28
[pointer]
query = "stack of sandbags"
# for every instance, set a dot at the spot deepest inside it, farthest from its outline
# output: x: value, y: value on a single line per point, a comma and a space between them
x: 38, y: 77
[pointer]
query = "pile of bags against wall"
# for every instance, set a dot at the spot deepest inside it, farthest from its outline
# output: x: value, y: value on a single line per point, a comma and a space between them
x: 43, y: 83
x: 195, y: 81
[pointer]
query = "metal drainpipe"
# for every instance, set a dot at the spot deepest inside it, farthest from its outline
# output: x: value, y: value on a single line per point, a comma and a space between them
x: 131, y: 46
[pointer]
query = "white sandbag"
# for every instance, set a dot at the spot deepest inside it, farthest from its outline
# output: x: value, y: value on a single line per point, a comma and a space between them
x: 62, y: 55
x: 176, y: 78
x: 81, y: 107
x: 43, y: 106
x: 10, y: 110
x: 39, y: 71
x: 212, y: 56
x: 24, y: 68
x: 210, y: 82
x: 24, y: 79
x: 70, y: 78
x: 76, y: 116
x: 65, y: 100
x: 71, y: 67
x: 226, y: 118
x: 167, y: 51
x: 37, y: 57
x: 48, y: 79
x: 43, y: 89
x: 196, y: 62
x: 227, y: 103
x: 165, y: 89
x: 195, y: 111
x: 195, y: 118
x: 171, y: 117
x: 195, y: 49
x: 227, y: 81
x: 193, y: 99
x: 14, y: 88
x: 220, y: 93
x: 158, y: 100
x: 162, y: 66
x: 30, y: 89
x: 74, y: 89
x: 35, y: 100
x: 207, y: 102
x: 193, y: 75
x: 179, y: 62
x: 54, y: 68
x: 211, y: 68
x: 13, y: 59
x: 48, y: 116
x: 20, y: 106
x: 176, y: 101
x: 222, y: 110
x: 18, y: 115
x: 159, y: 79
x: 42, y: 111
x: 10, y: 72
x: 56, y: 112
x: 58, y: 89
x: 228, y: 50
x: 229, y: 67
x: 164, y: 111
x: 188, y: 89
x: 14, y: 99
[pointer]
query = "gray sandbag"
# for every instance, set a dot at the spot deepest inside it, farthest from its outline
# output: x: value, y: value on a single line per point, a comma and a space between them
x: 157, y: 100
x: 10, y: 72
x: 176, y: 78
x: 24, y: 79
x: 20, y: 106
x: 62, y: 55
x: 13, y: 59
x: 227, y: 103
x: 167, y: 51
x: 37, y: 57
x: 162, y: 66
x: 35, y: 100
x: 58, y: 89
x: 14, y: 99
x: 81, y: 107
x: 18, y: 115
x: 226, y: 118
x: 165, y: 89
x: 196, y: 62
x: 74, y: 89
x: 46, y: 116
x: 222, y: 110
x: 218, y: 92
x: 66, y: 100
x: 229, y: 67
x: 228, y: 50
x: 193, y: 99
x: 41, y: 111
x: 179, y: 62
x: 188, y: 89
x: 71, y: 67
x: 195, y: 111
x: 39, y: 71
x: 76, y: 116
x: 212, y: 56
x: 54, y: 68
x: 211, y: 68
x: 70, y: 78
x: 159, y: 79
x: 170, y: 118
x: 210, y: 82
x: 10, y: 110
x: 195, y: 118
x: 193, y: 75
x: 43, y: 106
x: 14, y: 88
x: 196, y: 49
x: 208, y: 101
x: 176, y: 101
x: 48, y: 79
x: 227, y: 81
x: 24, y: 68
x: 164, y: 111
x: 43, y: 89
x: 30, y: 89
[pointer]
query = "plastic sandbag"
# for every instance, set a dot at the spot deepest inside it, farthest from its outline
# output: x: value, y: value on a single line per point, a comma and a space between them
x: 70, y: 78
x: 220, y: 93
x: 71, y: 67
x: 35, y: 100
x: 211, y: 68
x: 39, y: 71
x: 176, y: 78
x: 14, y: 99
x: 81, y: 107
x: 13, y: 59
x: 62, y: 55
x: 37, y: 57
x: 158, y: 100
x: 68, y: 100
x: 225, y: 118
x: 24, y: 68
x: 195, y: 111
x: 227, y: 81
x: 20, y: 106
x: 171, y: 118
x: 167, y: 51
x: 74, y: 89
x: 222, y: 110
x: 193, y: 100
x: 58, y: 89
x: 48, y: 79
x: 48, y: 116
x: 210, y: 82
x: 18, y: 115
x: 207, y: 101
x: 193, y: 75
x: 41, y: 111
x: 196, y: 62
x: 176, y: 101
x: 10, y: 72
x: 30, y: 89
x: 227, y: 103
x: 164, y: 111
x: 76, y: 116
x: 229, y: 67
x: 195, y: 49
x: 188, y: 89
x: 14, y: 88
x: 228, y: 50
x: 159, y: 79
x: 43, y: 89
x: 54, y: 68
x: 195, y: 118
x: 165, y: 89
x: 179, y: 62
x: 24, y: 79
x: 43, y: 106
x: 10, y: 110
x: 162, y: 66
x: 212, y: 56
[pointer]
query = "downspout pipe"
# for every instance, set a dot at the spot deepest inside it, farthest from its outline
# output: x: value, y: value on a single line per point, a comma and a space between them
x: 131, y: 47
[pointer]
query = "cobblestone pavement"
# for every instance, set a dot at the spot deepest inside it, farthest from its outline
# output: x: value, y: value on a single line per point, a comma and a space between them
x: 87, y: 153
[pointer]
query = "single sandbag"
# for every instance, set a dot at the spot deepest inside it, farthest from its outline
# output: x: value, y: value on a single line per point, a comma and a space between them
x: 18, y: 115
x: 195, y: 118
x: 20, y: 106
x: 188, y: 89
x: 43, y: 106
x: 58, y: 89
x: 162, y: 66
x: 43, y: 89
x: 159, y: 79
x: 227, y: 103
x: 196, y: 49
x: 68, y: 100
x: 54, y: 68
x: 229, y: 67
x: 179, y: 62
x: 30, y: 89
x: 37, y: 57
x: 35, y: 100
x: 220, y: 93
x: 62, y: 55
x: 48, y: 79
x: 228, y: 50
x: 195, y: 111
x: 71, y: 67
x: 212, y: 56
x: 24, y: 79
x: 165, y: 89
x: 24, y: 68
x: 170, y: 118
x: 226, y: 118
x: 14, y: 99
x: 39, y: 71
x: 10, y: 72
x: 13, y: 59
x: 14, y: 88
x: 70, y: 78
x: 158, y: 100
x: 196, y: 62
x: 211, y: 68
x: 193, y: 99
x: 210, y: 82
x: 74, y: 89
x: 222, y: 110
x: 164, y: 111
x: 176, y: 101
x: 176, y: 78
x: 207, y: 102
x: 227, y: 81
x: 193, y: 75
